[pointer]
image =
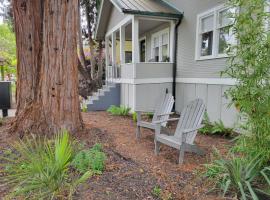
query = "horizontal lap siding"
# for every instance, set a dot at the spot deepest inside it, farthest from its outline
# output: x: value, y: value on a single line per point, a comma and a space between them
x: 187, y: 66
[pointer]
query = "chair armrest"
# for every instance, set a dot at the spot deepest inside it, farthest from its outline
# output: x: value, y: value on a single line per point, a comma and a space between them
x: 167, y: 120
x: 164, y: 114
x: 192, y: 129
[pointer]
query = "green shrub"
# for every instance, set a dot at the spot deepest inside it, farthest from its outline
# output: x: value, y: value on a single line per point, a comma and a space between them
x: 134, y: 116
x: 239, y: 176
x: 1, y: 121
x: 150, y: 115
x: 92, y: 159
x: 84, y: 108
x: 157, y: 191
x: 119, y: 111
x: 38, y: 168
x: 216, y: 128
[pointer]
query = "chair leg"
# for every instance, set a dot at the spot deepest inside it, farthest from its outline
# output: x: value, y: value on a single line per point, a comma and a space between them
x: 181, y: 155
x: 138, y: 132
x: 156, y: 147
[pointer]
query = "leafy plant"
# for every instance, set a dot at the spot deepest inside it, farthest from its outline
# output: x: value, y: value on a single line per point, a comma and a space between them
x: 38, y: 168
x: 134, y: 116
x: 150, y: 115
x: 157, y: 191
x: 90, y: 160
x: 1, y: 121
x: 220, y: 129
x: 84, y: 108
x: 216, y: 128
x: 119, y: 111
x: 249, y: 64
x: 239, y: 176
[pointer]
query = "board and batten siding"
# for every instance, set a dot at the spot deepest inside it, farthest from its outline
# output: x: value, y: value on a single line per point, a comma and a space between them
x: 213, y: 96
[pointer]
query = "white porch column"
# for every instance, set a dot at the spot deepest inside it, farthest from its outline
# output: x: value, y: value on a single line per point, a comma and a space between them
x: 172, y: 39
x: 113, y: 54
x: 107, y: 57
x: 122, y: 44
x: 135, y: 40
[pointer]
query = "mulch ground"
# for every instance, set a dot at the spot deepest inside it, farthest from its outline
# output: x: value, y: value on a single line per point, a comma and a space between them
x: 133, y: 170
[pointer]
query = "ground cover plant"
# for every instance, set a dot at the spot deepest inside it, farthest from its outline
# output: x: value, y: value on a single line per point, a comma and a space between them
x: 40, y: 168
x: 215, y: 128
x: 245, y: 173
x: 90, y: 160
x: 119, y: 111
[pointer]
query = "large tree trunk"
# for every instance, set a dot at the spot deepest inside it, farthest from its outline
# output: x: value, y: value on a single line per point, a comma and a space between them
x: 47, y: 97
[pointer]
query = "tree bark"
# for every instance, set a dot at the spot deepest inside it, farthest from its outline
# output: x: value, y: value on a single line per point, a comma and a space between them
x: 47, y: 89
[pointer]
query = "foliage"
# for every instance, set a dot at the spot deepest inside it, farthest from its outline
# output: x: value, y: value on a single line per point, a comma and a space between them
x: 216, y: 128
x: 7, y: 49
x: 90, y: 160
x: 249, y: 64
x: 157, y: 191
x: 1, y: 121
x: 239, y: 176
x: 134, y: 116
x: 84, y: 108
x: 38, y: 168
x: 119, y: 111
x: 150, y: 115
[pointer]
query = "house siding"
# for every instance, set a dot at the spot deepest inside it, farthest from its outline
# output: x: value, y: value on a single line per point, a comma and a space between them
x: 115, y: 18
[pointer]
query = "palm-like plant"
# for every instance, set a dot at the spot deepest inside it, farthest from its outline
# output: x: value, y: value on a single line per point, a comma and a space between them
x: 39, y: 168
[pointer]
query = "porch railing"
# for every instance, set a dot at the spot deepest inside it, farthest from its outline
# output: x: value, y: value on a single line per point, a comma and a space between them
x: 113, y: 72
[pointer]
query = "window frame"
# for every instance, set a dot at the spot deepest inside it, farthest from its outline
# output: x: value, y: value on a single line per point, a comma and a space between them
x: 159, y: 36
x: 216, y: 31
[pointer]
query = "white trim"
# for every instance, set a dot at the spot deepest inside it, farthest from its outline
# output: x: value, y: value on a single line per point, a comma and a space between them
x: 143, y: 81
x: 135, y: 41
x: 210, y: 81
x: 159, y: 36
x: 117, y: 7
x: 216, y: 28
x: 124, y: 22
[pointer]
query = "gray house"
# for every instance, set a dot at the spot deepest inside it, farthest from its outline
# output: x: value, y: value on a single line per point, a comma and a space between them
x: 174, y: 45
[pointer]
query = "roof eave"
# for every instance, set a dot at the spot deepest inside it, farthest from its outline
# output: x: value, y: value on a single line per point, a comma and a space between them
x: 154, y: 14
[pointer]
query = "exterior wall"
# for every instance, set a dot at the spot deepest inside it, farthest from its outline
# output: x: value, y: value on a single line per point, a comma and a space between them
x: 147, y: 95
x: 188, y: 67
x: 213, y: 96
x: 115, y: 18
x: 153, y: 70
x: 127, y: 95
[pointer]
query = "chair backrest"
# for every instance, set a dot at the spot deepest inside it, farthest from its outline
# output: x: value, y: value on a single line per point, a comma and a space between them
x: 165, y: 105
x: 191, y: 117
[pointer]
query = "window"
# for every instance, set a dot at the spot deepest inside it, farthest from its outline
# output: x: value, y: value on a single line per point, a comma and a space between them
x: 160, y: 46
x: 214, y: 33
x: 142, y: 50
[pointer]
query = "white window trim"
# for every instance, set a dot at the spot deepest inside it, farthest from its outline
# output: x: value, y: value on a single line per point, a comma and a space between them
x: 159, y: 35
x: 215, y: 55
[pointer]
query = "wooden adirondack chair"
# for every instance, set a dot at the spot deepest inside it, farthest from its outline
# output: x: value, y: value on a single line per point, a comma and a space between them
x: 186, y: 130
x: 162, y: 112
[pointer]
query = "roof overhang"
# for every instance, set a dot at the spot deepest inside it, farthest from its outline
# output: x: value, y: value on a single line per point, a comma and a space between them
x: 106, y: 7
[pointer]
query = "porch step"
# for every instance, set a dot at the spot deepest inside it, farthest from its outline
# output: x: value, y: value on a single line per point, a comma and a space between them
x: 105, y: 97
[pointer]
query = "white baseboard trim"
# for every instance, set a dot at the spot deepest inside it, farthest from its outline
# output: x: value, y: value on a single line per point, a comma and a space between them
x: 209, y: 81
x: 143, y: 81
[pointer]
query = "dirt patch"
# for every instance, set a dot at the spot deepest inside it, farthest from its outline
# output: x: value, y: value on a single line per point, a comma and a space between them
x: 132, y: 169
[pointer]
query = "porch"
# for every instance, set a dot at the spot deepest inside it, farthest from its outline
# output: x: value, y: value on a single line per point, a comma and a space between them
x: 140, y: 48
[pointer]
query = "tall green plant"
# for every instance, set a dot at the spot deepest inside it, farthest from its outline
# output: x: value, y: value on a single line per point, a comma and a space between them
x: 40, y: 168
x: 250, y: 65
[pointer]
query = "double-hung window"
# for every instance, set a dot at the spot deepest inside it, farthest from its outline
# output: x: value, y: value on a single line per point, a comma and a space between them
x: 160, y: 46
x: 214, y: 33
